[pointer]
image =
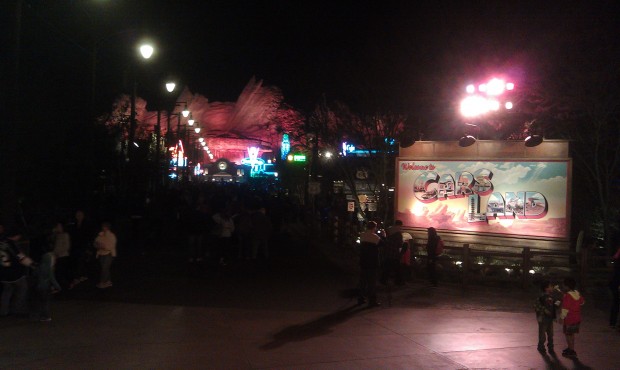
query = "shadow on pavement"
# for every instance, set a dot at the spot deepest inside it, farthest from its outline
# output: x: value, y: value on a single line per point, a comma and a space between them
x: 315, y: 328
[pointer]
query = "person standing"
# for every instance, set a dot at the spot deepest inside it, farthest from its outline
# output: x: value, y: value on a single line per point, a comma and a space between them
x: 261, y: 229
x: 392, y: 254
x: 432, y: 249
x: 81, y: 234
x: 545, y: 308
x: 225, y: 227
x: 46, y: 285
x: 571, y: 315
x: 61, y: 246
x: 13, y: 275
x: 370, y: 243
x: 105, y: 244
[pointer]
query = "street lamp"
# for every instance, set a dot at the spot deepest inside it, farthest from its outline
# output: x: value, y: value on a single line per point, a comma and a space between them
x: 146, y: 51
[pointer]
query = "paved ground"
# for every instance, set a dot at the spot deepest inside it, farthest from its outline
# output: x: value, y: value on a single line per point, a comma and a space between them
x: 295, y: 312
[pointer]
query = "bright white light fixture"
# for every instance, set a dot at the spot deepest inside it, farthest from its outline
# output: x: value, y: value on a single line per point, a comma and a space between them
x: 170, y: 86
x: 197, y: 130
x: 473, y: 106
x: 470, y: 89
x: 495, y: 87
x: 186, y: 111
x: 146, y: 51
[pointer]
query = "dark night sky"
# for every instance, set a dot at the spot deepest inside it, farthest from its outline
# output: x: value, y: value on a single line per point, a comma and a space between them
x: 404, y: 55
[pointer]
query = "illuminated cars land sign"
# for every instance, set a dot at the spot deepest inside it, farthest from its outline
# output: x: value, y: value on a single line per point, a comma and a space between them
x: 519, y: 198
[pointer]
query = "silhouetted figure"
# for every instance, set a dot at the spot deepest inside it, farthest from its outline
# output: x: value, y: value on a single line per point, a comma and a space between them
x: 60, y: 242
x: 370, y: 243
x: 13, y: 275
x: 82, y: 233
x: 46, y: 285
x: 431, y: 250
x: 392, y: 254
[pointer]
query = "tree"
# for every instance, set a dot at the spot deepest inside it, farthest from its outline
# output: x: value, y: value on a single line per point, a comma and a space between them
x: 375, y: 137
x: 580, y: 100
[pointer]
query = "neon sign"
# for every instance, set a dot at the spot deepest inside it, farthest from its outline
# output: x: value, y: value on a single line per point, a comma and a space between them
x: 285, y: 146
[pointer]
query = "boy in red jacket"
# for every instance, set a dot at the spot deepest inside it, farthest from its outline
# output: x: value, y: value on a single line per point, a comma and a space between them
x: 571, y: 314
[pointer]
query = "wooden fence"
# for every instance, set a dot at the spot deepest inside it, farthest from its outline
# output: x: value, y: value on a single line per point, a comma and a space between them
x: 524, y: 266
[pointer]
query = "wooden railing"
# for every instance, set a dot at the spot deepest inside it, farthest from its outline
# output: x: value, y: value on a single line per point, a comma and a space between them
x: 523, y: 265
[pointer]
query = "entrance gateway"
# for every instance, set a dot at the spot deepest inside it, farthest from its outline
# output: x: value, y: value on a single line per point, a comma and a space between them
x: 498, y: 193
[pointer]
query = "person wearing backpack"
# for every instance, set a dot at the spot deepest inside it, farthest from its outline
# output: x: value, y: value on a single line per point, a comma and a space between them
x: 434, y: 247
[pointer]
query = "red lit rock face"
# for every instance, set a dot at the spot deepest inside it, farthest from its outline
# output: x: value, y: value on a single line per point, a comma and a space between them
x: 229, y: 127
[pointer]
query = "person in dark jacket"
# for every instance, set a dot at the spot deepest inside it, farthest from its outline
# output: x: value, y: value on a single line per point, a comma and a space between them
x: 14, y: 269
x: 431, y: 249
x: 370, y: 243
x: 392, y: 254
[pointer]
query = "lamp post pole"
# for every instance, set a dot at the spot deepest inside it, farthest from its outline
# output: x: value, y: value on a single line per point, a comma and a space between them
x: 146, y: 51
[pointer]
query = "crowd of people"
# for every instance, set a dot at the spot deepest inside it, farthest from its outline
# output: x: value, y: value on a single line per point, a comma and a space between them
x: 218, y: 225
x: 28, y: 282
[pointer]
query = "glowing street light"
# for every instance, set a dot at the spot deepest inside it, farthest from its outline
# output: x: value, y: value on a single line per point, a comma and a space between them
x: 147, y: 50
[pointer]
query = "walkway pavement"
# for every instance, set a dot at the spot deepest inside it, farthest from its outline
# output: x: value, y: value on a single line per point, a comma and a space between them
x: 295, y: 312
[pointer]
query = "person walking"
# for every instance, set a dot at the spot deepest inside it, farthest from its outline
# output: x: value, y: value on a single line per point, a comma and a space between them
x: 105, y: 244
x: 370, y: 243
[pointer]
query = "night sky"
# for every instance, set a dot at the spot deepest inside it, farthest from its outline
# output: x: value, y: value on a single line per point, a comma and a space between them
x: 406, y: 56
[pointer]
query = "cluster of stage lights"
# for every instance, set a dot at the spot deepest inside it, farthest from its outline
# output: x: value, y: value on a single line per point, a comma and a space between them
x: 486, y: 98
x: 205, y: 147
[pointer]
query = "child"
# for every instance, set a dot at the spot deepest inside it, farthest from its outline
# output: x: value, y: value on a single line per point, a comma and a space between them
x: 571, y: 315
x: 545, y: 314
x: 46, y: 285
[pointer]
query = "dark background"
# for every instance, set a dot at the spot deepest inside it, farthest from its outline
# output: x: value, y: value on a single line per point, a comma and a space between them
x: 402, y: 56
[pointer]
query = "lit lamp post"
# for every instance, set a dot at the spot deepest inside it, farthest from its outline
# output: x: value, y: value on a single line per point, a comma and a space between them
x: 146, y: 51
x: 483, y: 99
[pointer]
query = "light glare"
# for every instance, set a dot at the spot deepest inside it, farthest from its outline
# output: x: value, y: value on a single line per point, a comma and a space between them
x: 146, y: 51
x: 170, y: 86
x: 474, y: 106
x: 495, y: 87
